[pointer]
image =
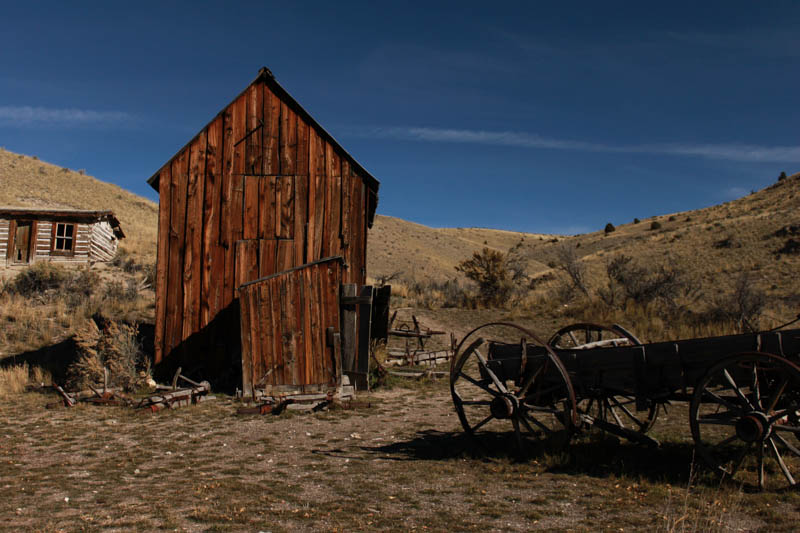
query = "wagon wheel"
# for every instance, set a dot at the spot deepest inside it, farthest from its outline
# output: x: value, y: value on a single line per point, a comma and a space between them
x: 608, y: 407
x: 745, y: 419
x: 584, y: 334
x: 538, y: 400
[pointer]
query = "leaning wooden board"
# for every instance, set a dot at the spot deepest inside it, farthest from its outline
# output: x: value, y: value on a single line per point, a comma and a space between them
x: 284, y: 318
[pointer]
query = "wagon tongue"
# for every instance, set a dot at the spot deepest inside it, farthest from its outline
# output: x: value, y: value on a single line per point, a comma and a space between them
x: 625, y: 433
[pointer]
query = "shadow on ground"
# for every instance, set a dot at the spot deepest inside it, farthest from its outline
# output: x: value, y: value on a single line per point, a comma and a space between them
x: 55, y: 359
x: 593, y: 456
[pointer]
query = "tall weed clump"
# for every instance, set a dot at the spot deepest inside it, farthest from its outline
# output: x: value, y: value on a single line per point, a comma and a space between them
x: 110, y: 346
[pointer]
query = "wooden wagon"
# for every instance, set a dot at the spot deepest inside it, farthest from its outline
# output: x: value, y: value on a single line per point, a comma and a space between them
x: 743, y: 391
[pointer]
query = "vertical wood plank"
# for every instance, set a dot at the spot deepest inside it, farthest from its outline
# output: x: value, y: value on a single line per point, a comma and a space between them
x: 314, y: 343
x: 246, y: 261
x: 254, y: 151
x: 226, y: 213
x: 162, y: 259
x: 179, y: 183
x: 285, y: 255
x: 300, y: 231
x: 357, y: 272
x: 272, y: 113
x: 298, y: 321
x: 268, y: 249
x: 192, y: 266
x: 346, y: 204
x: 246, y: 306
x: 264, y: 365
x: 333, y: 312
x: 255, y: 333
x: 362, y: 235
x: 316, y: 196
x: 252, y: 213
x: 288, y: 140
x: 287, y: 330
x: 237, y: 183
x: 285, y: 207
x: 266, y: 207
x: 331, y: 242
x: 239, y: 111
x: 275, y: 300
x: 213, y: 261
x: 301, y: 169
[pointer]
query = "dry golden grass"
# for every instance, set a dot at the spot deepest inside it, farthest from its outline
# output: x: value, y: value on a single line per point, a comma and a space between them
x: 14, y: 379
x: 419, y: 252
x: 33, y: 321
x: 28, y: 182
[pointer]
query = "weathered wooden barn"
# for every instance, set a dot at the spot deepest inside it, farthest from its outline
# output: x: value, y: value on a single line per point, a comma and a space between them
x: 30, y: 235
x: 262, y: 190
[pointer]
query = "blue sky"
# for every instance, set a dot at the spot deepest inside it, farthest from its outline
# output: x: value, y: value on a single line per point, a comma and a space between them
x: 525, y: 116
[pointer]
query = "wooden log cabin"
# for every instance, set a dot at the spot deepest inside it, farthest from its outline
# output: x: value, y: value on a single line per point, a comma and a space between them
x: 261, y: 190
x: 57, y: 235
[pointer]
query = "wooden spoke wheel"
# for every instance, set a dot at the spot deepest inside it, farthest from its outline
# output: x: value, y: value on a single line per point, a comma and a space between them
x: 610, y: 409
x: 585, y: 335
x: 535, y: 400
x: 620, y: 410
x: 745, y: 420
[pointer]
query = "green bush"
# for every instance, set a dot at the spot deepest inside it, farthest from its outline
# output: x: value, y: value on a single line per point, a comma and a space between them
x: 654, y: 225
x: 498, y: 275
x: 609, y: 228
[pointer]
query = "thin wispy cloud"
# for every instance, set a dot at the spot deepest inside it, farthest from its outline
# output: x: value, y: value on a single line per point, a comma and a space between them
x: 39, y: 116
x: 732, y: 152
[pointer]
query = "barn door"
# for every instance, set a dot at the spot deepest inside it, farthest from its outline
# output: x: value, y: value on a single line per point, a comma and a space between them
x: 290, y: 330
x: 20, y: 252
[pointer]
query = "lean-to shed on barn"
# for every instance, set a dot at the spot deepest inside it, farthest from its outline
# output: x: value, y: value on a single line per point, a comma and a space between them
x: 263, y: 191
x: 67, y: 236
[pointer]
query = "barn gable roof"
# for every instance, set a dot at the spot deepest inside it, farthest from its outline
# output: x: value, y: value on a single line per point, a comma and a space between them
x: 266, y: 75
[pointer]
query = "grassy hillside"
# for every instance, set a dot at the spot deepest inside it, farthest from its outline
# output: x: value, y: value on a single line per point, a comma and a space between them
x: 26, y: 181
x: 419, y: 252
x: 713, y: 246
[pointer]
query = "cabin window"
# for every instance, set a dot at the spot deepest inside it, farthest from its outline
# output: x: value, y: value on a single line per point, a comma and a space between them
x: 64, y: 240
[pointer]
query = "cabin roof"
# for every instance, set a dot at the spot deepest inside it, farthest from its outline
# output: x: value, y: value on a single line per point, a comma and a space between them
x: 81, y: 215
x: 265, y: 74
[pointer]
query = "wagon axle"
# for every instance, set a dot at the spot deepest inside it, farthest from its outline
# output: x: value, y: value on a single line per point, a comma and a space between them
x: 753, y: 427
x: 505, y: 406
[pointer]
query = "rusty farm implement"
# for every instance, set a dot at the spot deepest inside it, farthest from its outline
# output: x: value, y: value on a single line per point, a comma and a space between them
x: 743, y: 392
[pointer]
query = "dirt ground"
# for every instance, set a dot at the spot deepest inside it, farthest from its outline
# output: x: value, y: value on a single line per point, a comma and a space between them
x: 401, y: 464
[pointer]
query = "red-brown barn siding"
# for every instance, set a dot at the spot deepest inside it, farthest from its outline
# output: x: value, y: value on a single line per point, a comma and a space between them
x: 261, y: 189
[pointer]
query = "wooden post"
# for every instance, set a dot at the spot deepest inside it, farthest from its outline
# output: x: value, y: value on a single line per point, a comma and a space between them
x: 349, y: 329
x: 361, y: 380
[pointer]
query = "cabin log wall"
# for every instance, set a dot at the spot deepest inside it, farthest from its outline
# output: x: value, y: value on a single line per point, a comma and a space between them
x: 93, y: 241
x: 4, y: 228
